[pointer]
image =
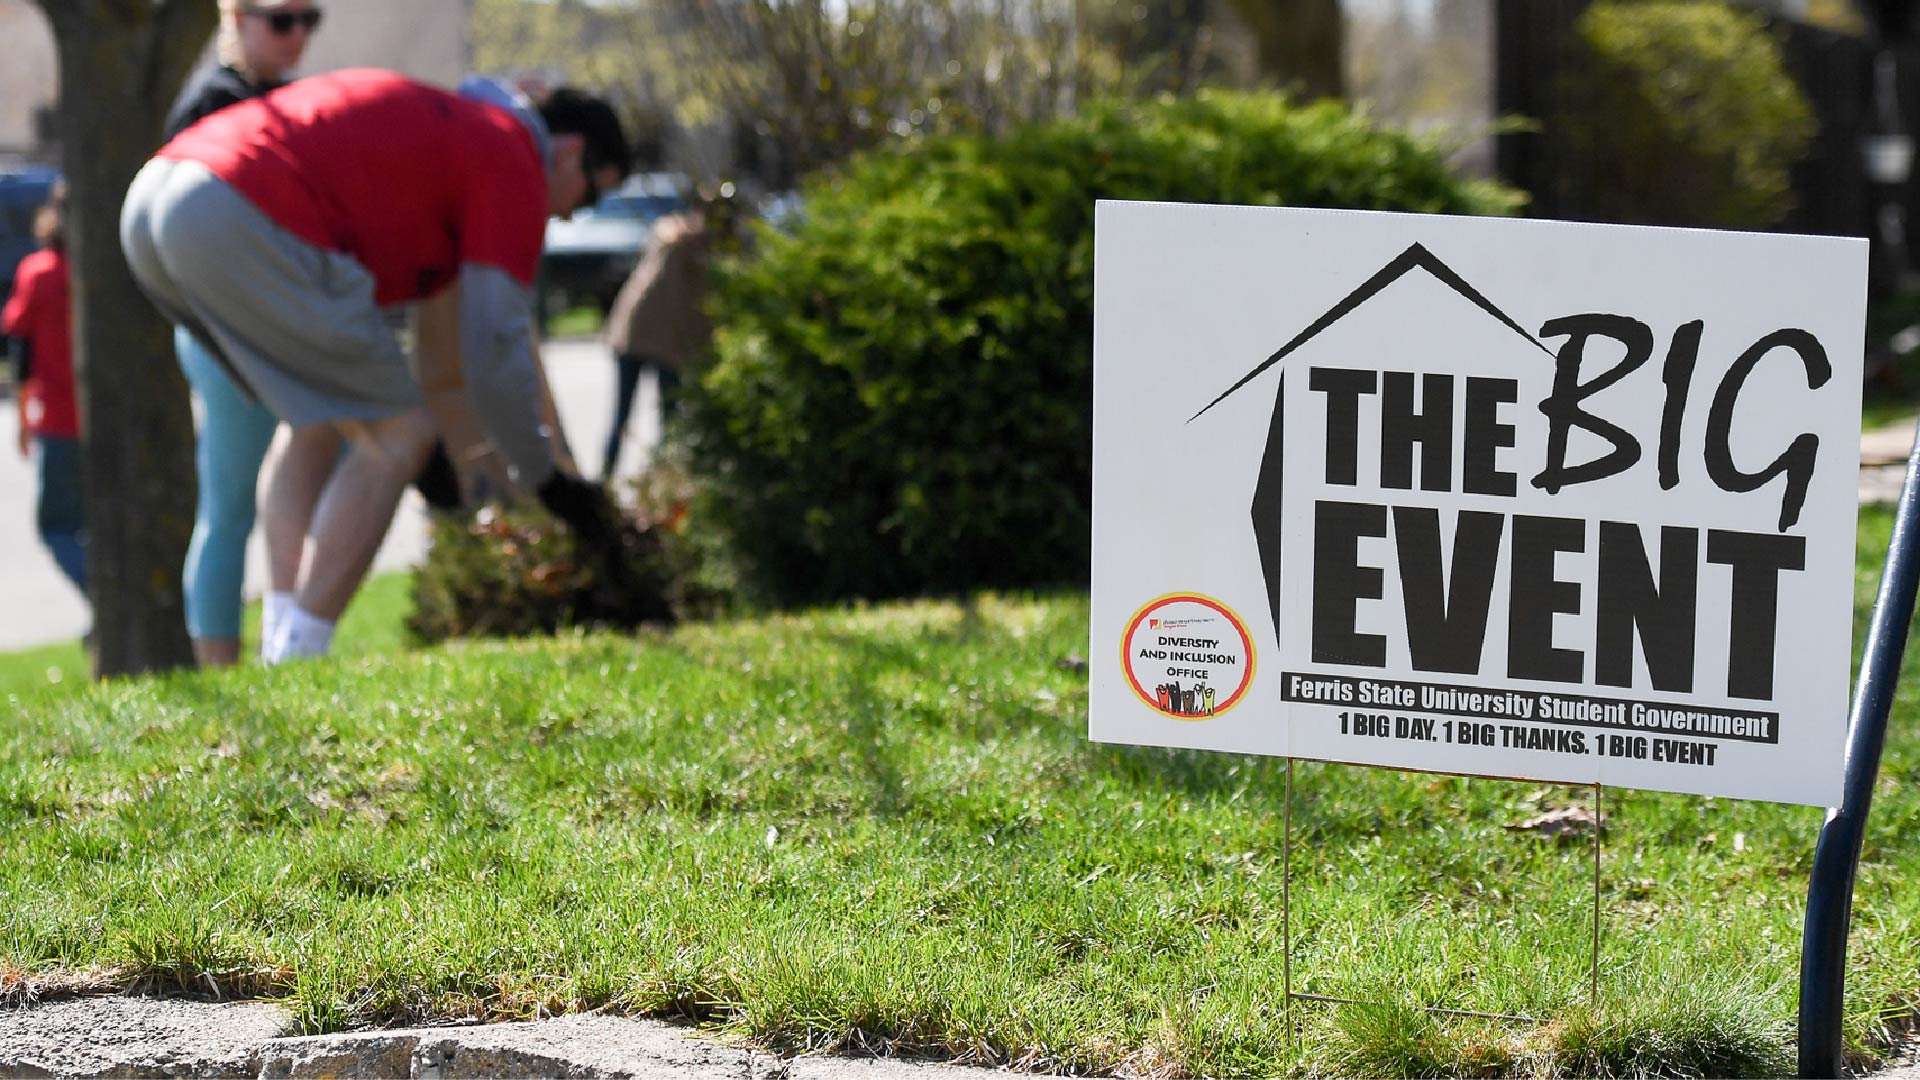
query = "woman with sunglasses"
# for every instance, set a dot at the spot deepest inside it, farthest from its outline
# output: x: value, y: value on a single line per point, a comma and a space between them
x: 260, y: 44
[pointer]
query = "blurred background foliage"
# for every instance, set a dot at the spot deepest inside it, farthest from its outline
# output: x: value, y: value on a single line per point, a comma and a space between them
x: 1680, y: 113
x: 779, y: 89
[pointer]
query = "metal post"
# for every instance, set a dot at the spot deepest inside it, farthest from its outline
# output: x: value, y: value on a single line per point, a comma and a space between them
x: 1823, y: 945
x: 1593, y: 987
x: 1286, y: 904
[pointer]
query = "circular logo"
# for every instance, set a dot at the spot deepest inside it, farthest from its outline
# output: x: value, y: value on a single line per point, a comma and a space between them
x: 1188, y: 656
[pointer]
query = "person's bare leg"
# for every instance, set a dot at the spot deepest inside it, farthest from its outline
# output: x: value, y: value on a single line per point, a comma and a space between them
x: 356, y: 508
x: 216, y: 652
x: 301, y: 461
x: 296, y: 475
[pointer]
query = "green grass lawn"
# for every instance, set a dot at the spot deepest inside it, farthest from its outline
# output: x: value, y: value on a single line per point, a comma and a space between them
x: 885, y: 827
x: 583, y: 320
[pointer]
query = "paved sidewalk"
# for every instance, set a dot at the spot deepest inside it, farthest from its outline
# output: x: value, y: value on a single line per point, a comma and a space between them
x: 1883, y: 461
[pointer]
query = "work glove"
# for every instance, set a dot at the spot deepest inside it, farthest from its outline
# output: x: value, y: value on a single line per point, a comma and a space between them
x: 584, y: 506
x: 609, y: 543
x: 438, y: 482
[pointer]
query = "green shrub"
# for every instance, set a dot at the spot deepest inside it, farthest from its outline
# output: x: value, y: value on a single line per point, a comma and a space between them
x: 900, y: 400
x: 1679, y: 113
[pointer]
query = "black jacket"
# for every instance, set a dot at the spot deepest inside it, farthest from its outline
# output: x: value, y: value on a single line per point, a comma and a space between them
x: 210, y: 90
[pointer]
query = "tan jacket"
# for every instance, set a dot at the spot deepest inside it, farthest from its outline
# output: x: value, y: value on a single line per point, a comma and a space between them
x: 660, y: 312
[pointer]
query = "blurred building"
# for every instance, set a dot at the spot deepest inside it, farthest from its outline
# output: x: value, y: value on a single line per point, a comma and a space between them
x: 29, y: 77
x: 426, y: 39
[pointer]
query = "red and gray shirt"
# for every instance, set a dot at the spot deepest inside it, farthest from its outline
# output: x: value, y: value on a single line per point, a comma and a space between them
x: 419, y: 186
x: 410, y: 180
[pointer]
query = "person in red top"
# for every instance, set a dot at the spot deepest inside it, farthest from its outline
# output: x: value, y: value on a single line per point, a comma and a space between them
x: 281, y: 229
x: 38, y: 321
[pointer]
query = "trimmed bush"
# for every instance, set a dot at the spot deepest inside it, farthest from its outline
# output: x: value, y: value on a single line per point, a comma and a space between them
x: 1679, y: 113
x: 900, y: 400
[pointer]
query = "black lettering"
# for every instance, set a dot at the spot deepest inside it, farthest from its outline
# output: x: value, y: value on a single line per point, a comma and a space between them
x: 1537, y: 596
x: 1339, y: 581
x: 1798, y: 459
x: 1757, y: 560
x: 1431, y: 427
x: 1486, y: 436
x: 1562, y: 406
x: 1446, y: 615
x: 1678, y: 377
x: 1343, y: 387
x: 1629, y: 600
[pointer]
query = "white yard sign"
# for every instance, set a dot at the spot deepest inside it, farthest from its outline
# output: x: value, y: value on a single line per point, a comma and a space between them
x: 1498, y: 497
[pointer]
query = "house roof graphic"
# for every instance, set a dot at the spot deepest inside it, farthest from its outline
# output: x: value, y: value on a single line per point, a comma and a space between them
x: 1415, y: 257
x: 1266, y: 506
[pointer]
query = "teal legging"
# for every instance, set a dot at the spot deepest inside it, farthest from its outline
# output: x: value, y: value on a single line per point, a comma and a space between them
x: 234, y: 434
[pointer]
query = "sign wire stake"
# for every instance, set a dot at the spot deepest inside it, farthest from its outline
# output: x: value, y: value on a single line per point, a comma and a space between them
x: 1432, y: 1010
x: 1593, y: 987
x: 1286, y: 901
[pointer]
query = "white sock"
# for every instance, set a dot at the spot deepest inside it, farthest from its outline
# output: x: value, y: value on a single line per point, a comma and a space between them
x: 273, y: 611
x: 299, y: 635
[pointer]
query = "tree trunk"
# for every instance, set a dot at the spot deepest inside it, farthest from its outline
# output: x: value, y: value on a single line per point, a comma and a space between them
x: 1302, y: 44
x: 121, y: 63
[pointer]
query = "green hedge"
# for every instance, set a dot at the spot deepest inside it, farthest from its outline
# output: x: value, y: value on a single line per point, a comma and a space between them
x: 900, y: 400
x: 1679, y: 113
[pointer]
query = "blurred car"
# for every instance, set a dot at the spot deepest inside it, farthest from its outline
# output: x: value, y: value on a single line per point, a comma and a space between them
x: 22, y: 191
x: 781, y: 211
x: 588, y: 257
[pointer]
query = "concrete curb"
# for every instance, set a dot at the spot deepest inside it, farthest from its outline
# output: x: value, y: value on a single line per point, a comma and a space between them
x: 112, y: 1038
x: 572, y: 1046
x: 109, y: 1038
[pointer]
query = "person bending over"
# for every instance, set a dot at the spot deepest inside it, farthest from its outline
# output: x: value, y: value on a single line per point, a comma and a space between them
x: 277, y: 231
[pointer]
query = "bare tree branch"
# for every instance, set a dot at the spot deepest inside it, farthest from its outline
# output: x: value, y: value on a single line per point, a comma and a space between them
x: 802, y: 83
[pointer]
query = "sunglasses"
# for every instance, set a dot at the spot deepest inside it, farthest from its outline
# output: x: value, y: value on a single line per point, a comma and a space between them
x: 283, y: 22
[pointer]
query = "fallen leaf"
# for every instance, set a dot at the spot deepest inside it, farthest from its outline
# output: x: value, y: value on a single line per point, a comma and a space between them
x: 1574, y: 820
